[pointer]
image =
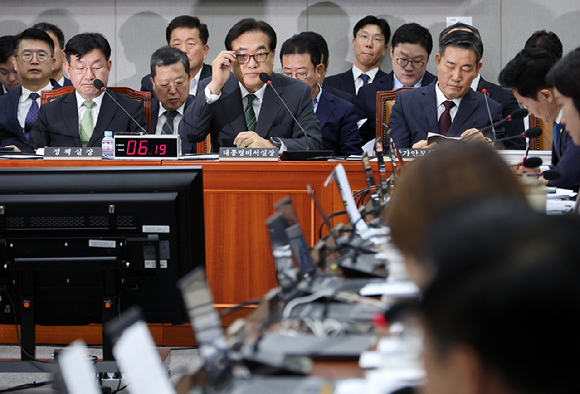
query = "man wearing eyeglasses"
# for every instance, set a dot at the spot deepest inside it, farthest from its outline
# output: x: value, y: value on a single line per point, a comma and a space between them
x: 370, y: 42
x: 34, y: 61
x: 447, y: 106
x: 301, y: 58
x: 410, y: 50
x: 238, y: 109
x: 81, y: 118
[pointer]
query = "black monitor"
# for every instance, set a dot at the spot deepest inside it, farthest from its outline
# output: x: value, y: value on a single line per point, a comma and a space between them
x: 80, y: 245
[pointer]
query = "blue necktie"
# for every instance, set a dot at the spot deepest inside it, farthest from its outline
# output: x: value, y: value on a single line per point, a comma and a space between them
x: 555, y: 132
x: 365, y: 78
x: 32, y: 115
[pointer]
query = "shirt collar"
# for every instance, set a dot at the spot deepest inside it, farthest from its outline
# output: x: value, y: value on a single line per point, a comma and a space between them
x: 559, y: 118
x: 259, y: 93
x: 371, y: 73
x: 25, y: 92
x: 441, y: 97
x: 475, y: 82
x: 162, y: 109
x: 80, y: 100
x: 397, y: 84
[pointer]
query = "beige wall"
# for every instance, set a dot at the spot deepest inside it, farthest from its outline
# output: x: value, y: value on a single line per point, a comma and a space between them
x: 135, y: 28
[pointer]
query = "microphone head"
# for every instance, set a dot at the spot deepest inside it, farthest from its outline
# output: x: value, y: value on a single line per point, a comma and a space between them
x: 519, y: 113
x: 98, y: 84
x: 533, y: 132
x: 532, y: 162
x: 551, y: 175
x: 265, y: 77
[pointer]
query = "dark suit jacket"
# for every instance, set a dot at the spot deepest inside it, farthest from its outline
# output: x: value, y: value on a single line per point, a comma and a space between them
x: 345, y: 81
x: 58, y: 121
x: 414, y: 115
x: 10, y: 131
x: 366, y: 101
x: 337, y: 120
x: 186, y: 146
x: 1, y: 90
x: 147, y: 85
x: 67, y: 82
x: 566, y: 160
x: 224, y: 119
x: 339, y: 93
x: 508, y: 105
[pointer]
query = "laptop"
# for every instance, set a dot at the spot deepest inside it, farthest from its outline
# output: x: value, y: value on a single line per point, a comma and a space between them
x: 214, y: 350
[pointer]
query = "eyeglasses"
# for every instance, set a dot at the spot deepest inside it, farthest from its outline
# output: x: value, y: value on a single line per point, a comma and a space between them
x: 414, y: 63
x: 244, y: 58
x: 365, y: 37
x: 299, y: 75
x: 27, y: 56
x: 83, y: 70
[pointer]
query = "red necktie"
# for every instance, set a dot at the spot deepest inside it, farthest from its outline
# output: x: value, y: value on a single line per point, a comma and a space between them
x: 445, y: 119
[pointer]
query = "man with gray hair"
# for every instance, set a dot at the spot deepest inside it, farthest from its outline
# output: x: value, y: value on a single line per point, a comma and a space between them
x: 170, y: 78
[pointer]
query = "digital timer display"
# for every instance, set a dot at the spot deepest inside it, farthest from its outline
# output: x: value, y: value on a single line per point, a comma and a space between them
x: 144, y: 147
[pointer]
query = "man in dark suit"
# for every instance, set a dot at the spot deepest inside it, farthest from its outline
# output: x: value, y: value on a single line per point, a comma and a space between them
x: 9, y: 78
x: 502, y: 96
x: 170, y: 77
x: 526, y: 76
x: 33, y: 59
x: 238, y: 109
x: 189, y: 35
x: 410, y: 50
x: 370, y: 42
x: 81, y: 118
x: 58, y: 38
x: 447, y: 106
x: 337, y: 118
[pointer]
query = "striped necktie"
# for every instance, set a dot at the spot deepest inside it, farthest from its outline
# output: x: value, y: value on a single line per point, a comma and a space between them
x: 168, y: 125
x: 249, y: 114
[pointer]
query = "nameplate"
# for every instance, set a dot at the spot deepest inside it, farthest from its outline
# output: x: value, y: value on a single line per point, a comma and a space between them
x: 74, y: 153
x: 248, y: 154
x: 414, y: 153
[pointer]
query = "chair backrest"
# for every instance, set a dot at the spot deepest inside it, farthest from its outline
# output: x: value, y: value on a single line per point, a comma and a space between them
x: 46, y: 96
x: 385, y: 102
x: 143, y: 97
x: 204, y: 146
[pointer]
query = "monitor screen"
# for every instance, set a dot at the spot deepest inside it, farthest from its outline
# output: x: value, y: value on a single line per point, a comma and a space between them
x: 71, y: 237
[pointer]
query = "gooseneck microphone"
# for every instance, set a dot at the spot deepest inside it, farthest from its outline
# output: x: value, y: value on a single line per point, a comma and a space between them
x: 485, y: 93
x: 101, y: 86
x: 268, y: 81
x: 517, y: 114
x: 531, y: 133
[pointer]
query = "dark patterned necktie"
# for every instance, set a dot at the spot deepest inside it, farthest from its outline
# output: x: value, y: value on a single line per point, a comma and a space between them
x: 168, y: 125
x: 32, y: 115
x: 445, y: 119
x: 249, y: 113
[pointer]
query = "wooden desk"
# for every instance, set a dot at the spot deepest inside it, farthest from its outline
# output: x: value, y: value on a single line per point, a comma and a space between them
x: 239, y: 196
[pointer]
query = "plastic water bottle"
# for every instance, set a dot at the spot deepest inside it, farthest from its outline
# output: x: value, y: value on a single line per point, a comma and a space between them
x: 108, y: 145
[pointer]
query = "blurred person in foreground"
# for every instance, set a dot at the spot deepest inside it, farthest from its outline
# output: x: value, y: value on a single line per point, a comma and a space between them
x: 447, y: 176
x: 498, y: 315
x: 565, y: 78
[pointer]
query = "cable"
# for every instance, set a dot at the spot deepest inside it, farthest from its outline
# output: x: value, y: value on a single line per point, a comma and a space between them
x: 302, y: 300
x: 18, y: 334
x: 253, y: 301
x: 26, y: 386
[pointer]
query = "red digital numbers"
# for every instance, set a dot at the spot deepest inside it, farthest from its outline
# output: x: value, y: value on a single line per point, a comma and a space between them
x: 132, y: 148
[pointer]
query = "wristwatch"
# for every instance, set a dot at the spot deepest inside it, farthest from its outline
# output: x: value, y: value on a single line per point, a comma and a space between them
x: 276, y: 141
